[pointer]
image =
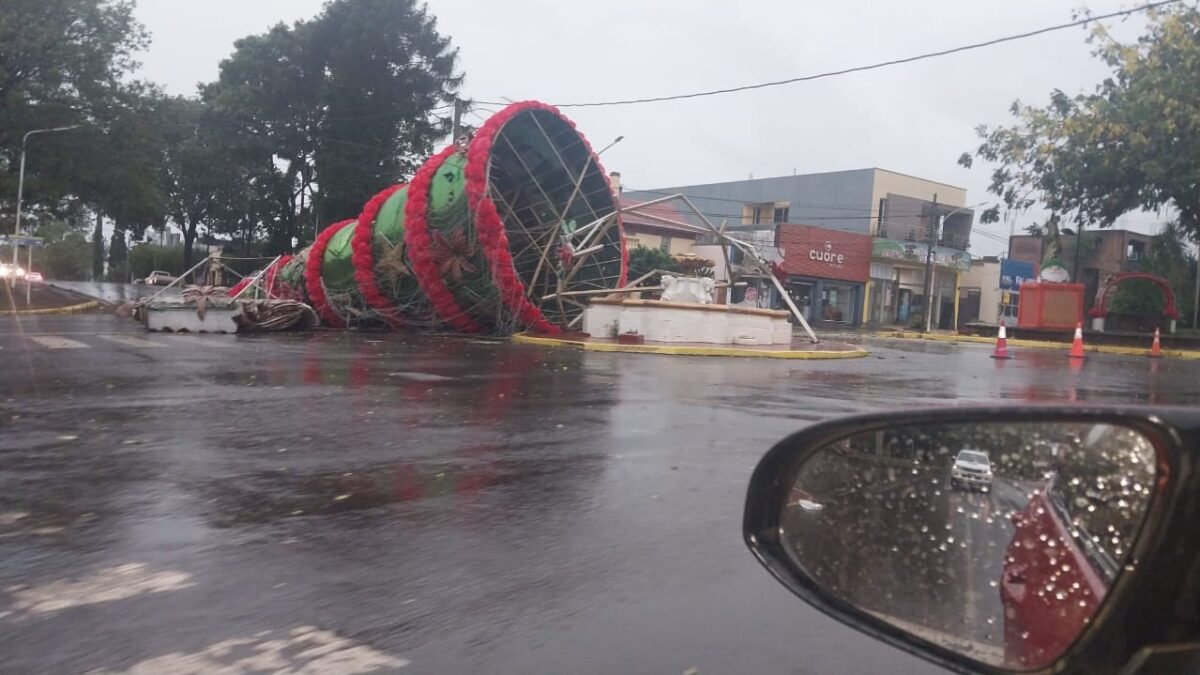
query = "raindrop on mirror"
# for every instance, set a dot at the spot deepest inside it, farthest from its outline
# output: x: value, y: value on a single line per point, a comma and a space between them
x: 1036, y: 520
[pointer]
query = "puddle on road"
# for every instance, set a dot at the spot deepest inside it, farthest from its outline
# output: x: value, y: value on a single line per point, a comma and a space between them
x: 268, y: 496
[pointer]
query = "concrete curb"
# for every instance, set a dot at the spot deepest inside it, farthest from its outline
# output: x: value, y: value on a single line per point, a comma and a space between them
x: 69, y: 309
x: 679, y: 350
x: 1039, y: 344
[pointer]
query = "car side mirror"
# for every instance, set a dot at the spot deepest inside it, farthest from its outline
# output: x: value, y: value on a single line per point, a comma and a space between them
x: 941, y: 534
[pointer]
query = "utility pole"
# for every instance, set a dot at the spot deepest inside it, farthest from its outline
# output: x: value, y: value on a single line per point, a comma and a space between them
x: 1078, y: 246
x: 935, y: 226
x: 456, y: 128
x: 1196, y: 293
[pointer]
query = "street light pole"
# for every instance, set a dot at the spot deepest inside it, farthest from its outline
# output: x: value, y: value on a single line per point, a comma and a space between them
x: 21, y: 183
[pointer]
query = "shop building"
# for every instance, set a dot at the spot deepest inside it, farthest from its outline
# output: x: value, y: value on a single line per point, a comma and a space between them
x: 1100, y: 255
x: 904, y: 262
x: 826, y: 271
x: 897, y: 213
x: 982, y: 294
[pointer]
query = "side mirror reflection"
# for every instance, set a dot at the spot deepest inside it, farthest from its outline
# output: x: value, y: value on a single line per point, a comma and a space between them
x: 998, y: 541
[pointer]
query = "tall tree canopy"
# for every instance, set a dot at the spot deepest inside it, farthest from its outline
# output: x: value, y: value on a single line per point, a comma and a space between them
x: 329, y: 111
x: 62, y: 62
x: 1133, y: 143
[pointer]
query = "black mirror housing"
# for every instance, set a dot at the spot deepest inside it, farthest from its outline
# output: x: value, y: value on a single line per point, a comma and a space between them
x: 1153, y: 603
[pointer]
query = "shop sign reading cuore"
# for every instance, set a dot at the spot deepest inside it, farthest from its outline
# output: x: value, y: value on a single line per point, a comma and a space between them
x: 826, y: 254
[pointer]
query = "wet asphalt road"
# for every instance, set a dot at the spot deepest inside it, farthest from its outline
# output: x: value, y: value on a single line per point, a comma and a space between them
x: 361, y: 503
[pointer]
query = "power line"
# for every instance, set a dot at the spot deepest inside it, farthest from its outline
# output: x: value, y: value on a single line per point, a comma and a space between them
x: 384, y: 115
x: 873, y: 66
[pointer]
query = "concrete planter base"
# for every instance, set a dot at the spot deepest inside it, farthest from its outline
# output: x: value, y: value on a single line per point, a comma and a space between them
x: 692, y: 323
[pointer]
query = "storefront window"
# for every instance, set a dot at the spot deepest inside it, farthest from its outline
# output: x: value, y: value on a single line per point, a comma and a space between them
x: 837, y: 302
x: 802, y: 295
x: 1009, y: 309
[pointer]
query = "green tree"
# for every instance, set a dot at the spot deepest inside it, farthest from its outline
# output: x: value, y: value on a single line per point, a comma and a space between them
x: 323, y: 114
x: 147, y: 258
x: 62, y: 62
x: 118, y: 257
x: 387, y: 70
x: 98, y: 249
x: 66, y: 255
x: 198, y: 175
x: 1137, y: 296
x: 1131, y: 144
x: 644, y: 260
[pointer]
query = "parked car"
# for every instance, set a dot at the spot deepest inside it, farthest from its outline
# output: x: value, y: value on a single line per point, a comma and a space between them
x: 160, y: 278
x: 972, y: 468
x: 35, y: 277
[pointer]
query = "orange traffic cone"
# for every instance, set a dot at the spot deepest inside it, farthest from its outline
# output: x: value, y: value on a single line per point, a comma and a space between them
x: 1077, y: 346
x: 1002, y: 344
x: 1156, y: 347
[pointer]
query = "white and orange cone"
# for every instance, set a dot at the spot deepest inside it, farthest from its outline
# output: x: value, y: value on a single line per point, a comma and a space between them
x: 1156, y: 347
x: 1077, y: 345
x: 1001, y: 344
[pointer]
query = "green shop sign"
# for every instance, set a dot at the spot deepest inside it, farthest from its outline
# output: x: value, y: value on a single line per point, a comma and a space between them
x: 915, y: 252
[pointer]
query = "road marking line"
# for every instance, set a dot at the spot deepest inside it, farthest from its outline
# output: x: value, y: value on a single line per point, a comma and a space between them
x: 421, y: 377
x: 131, y: 341
x: 53, y: 342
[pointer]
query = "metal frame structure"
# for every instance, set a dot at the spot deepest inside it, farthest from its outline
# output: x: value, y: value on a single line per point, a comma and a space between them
x: 725, y: 240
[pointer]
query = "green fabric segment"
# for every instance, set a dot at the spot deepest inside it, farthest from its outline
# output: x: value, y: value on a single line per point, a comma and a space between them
x: 449, y: 188
x: 449, y: 220
x: 338, y: 269
x: 390, y: 221
x: 393, y: 271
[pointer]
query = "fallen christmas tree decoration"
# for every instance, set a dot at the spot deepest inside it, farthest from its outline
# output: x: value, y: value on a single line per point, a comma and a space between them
x: 515, y: 230
x: 508, y: 231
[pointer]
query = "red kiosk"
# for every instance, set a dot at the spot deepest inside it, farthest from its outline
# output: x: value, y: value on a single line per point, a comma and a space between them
x: 1050, y: 305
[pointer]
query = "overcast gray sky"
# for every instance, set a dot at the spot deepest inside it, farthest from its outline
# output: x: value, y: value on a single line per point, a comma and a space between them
x: 915, y: 118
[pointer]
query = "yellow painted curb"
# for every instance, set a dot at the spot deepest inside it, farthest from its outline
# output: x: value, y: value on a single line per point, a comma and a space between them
x: 1042, y: 344
x: 69, y: 309
x: 678, y: 350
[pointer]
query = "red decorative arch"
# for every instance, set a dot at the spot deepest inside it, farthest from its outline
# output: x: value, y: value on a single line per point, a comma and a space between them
x: 1101, y: 309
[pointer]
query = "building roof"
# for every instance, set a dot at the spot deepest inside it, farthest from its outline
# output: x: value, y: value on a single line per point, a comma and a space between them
x: 667, y: 210
x: 817, y: 173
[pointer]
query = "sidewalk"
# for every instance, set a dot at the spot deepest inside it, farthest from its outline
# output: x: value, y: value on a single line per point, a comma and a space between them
x: 43, y: 299
x: 954, y: 338
x: 859, y: 334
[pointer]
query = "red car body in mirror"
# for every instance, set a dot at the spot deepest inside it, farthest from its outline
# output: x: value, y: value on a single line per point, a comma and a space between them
x: 1049, y: 587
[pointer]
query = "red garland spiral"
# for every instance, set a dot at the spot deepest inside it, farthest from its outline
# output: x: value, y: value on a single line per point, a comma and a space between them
x: 489, y: 226
x: 416, y: 238
x: 312, y: 275
x: 363, y: 256
x: 237, y: 288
